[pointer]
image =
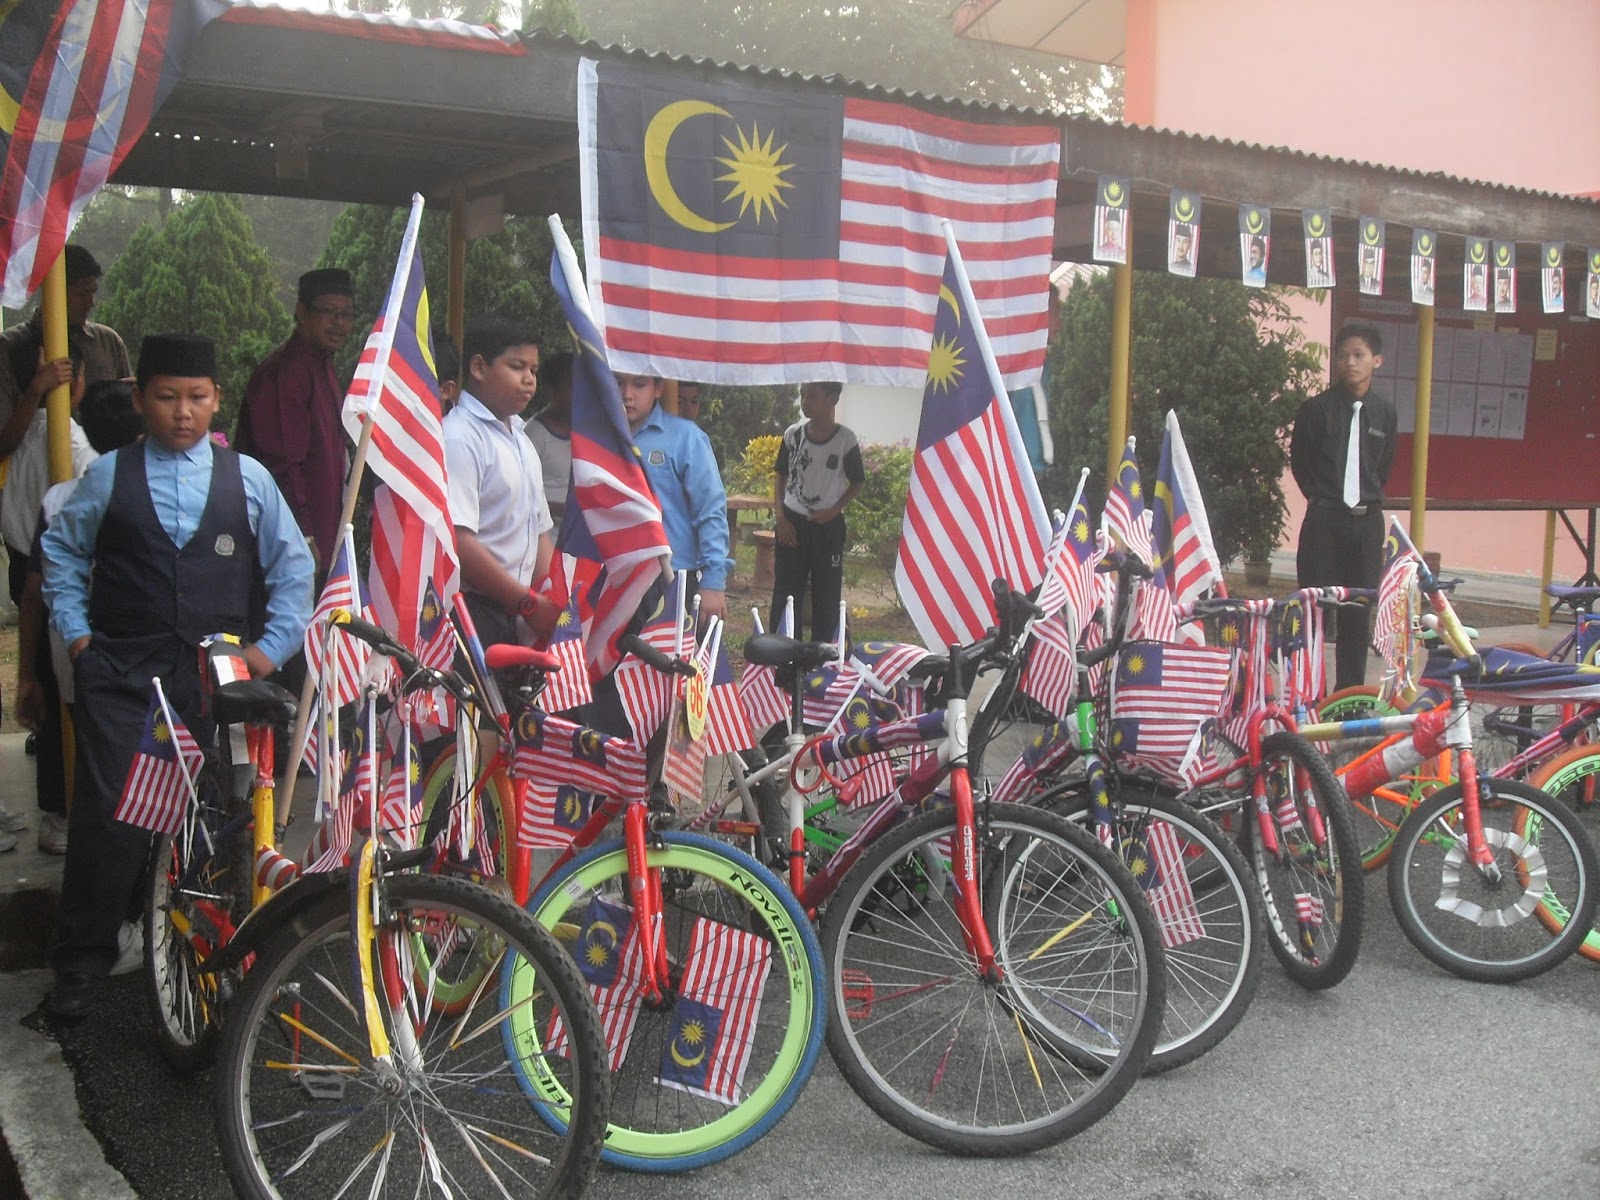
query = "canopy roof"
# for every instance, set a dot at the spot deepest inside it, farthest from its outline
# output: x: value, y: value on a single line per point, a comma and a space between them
x: 370, y: 109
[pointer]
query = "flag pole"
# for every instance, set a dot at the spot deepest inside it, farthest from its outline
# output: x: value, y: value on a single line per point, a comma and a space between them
x: 1077, y: 496
x: 352, y: 487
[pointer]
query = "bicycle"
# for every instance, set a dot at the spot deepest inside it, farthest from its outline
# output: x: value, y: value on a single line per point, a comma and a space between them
x: 648, y: 914
x: 959, y: 942
x: 338, y: 1050
x: 1212, y: 974
x: 1477, y: 858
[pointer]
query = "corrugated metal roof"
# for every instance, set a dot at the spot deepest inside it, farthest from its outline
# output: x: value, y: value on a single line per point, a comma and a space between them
x: 995, y: 108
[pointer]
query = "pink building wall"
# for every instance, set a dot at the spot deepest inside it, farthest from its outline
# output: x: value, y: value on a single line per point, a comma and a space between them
x: 1500, y: 90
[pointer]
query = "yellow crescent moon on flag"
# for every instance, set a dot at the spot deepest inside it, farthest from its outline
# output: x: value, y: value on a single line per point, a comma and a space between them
x: 684, y: 1060
x: 656, y: 138
x: 603, y: 927
x: 946, y: 296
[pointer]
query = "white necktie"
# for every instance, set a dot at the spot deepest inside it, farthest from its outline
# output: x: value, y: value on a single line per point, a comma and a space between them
x: 1352, y: 460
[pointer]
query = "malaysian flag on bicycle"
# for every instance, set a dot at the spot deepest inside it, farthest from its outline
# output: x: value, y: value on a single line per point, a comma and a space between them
x: 393, y: 402
x: 728, y: 728
x: 157, y: 790
x: 781, y: 236
x: 610, y: 957
x: 973, y: 509
x: 1050, y: 676
x: 79, y: 82
x: 1168, y: 889
x: 612, y: 517
x: 554, y: 753
x: 1391, y: 629
x: 644, y: 692
x: 1186, y: 557
x: 569, y: 687
x: 763, y: 699
x: 1050, y: 748
x: 683, y: 764
x: 323, y: 643
x: 1164, y: 701
x: 719, y: 1002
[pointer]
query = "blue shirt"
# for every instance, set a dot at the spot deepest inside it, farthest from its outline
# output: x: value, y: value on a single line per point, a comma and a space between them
x: 180, y: 482
x: 694, y: 506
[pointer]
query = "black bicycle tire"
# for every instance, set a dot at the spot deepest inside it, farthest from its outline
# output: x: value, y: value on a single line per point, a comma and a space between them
x: 1350, y: 890
x: 1074, y: 803
x: 185, y: 1056
x: 1402, y: 866
x: 900, y: 1111
x: 580, y: 1150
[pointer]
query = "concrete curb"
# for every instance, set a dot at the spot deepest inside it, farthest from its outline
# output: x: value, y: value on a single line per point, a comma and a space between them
x: 56, y: 1155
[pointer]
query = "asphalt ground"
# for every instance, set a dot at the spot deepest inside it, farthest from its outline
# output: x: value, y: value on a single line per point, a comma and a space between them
x: 1403, y: 1081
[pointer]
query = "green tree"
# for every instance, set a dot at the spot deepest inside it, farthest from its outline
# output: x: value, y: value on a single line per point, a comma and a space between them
x: 507, y: 273
x: 200, y: 272
x: 904, y: 44
x: 1229, y: 360
x: 732, y: 416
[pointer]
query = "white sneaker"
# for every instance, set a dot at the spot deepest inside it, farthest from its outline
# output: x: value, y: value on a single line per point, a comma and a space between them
x: 52, y: 833
x: 130, y: 945
x: 11, y: 822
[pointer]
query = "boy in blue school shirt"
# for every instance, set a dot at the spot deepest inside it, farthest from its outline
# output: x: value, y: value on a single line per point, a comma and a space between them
x: 183, y: 539
x: 683, y: 474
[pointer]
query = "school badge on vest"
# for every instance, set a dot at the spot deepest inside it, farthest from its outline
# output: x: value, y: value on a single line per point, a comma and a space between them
x: 658, y: 458
x: 224, y: 545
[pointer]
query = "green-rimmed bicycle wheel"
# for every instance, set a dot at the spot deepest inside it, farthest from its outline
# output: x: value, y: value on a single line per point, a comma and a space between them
x: 676, y: 1126
x: 1573, y: 778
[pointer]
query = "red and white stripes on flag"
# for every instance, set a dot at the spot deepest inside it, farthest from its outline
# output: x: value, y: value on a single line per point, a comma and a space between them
x: 1173, y: 897
x: 763, y: 699
x: 159, y: 785
x: 726, y: 973
x: 1050, y: 676
x: 323, y: 643
x: 615, y: 976
x: 683, y: 766
x: 973, y: 509
x: 747, y: 299
x: 393, y: 409
x: 92, y: 73
x: 728, y: 728
x: 644, y: 692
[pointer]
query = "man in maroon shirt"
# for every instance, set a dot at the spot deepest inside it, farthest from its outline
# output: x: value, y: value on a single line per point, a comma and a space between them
x: 290, y: 417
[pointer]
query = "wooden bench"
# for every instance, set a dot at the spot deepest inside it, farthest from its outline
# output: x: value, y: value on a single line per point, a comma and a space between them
x: 762, y: 539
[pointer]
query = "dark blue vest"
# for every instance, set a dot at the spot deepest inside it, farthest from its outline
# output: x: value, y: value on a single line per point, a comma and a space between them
x: 144, y: 585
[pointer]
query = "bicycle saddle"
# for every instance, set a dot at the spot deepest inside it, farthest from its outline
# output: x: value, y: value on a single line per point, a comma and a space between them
x: 775, y: 650
x: 503, y: 656
x: 1563, y: 592
x: 252, y: 702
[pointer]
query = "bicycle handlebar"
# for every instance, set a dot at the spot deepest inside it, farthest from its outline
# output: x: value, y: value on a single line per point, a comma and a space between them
x: 632, y: 643
x: 411, y: 668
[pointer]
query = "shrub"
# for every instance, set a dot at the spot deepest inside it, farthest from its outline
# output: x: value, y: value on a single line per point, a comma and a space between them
x: 875, y: 518
x: 756, y: 470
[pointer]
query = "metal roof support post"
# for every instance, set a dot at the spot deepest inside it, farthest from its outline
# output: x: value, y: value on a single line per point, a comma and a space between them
x: 1419, y: 437
x: 1121, y: 341
x: 456, y: 281
x: 1548, y: 572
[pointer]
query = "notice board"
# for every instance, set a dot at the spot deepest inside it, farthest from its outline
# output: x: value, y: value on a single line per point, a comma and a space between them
x: 1515, y: 417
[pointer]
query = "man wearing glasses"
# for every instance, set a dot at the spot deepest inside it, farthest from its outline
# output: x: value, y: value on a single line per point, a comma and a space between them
x: 290, y: 417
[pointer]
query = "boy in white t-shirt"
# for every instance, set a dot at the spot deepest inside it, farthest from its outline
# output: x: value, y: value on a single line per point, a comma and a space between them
x: 819, y: 473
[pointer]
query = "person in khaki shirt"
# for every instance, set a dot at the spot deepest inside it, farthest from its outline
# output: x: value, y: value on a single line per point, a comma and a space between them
x: 100, y: 348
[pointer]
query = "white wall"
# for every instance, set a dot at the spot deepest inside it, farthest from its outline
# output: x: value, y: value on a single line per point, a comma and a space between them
x: 881, y: 415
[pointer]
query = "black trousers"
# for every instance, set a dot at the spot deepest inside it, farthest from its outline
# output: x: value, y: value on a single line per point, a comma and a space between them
x: 49, y: 762
x: 1339, y: 549
x: 817, y: 562
x: 107, y: 860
